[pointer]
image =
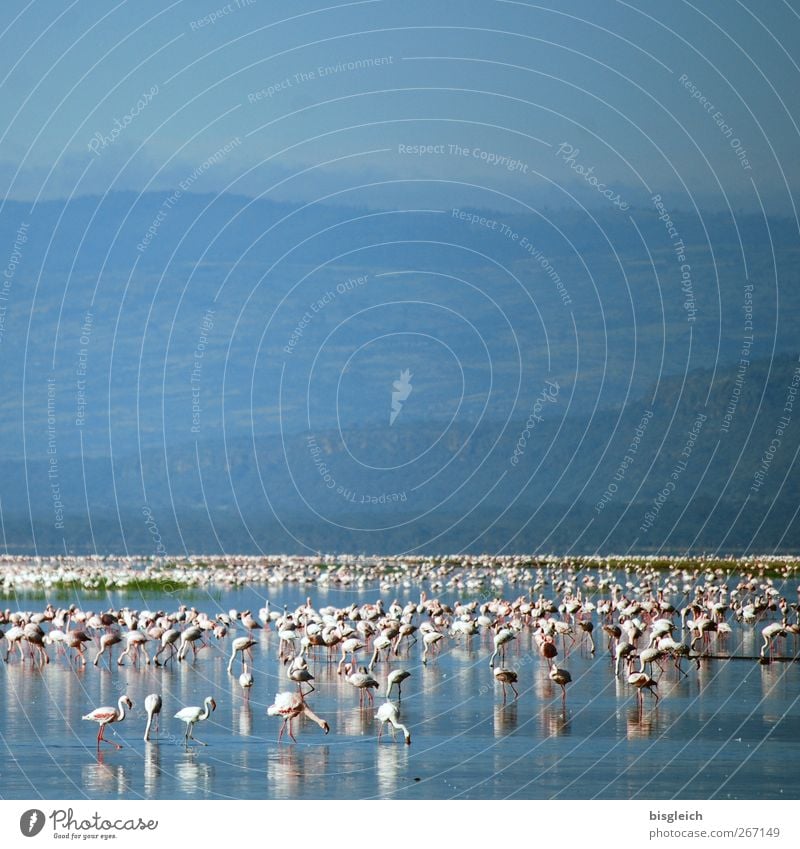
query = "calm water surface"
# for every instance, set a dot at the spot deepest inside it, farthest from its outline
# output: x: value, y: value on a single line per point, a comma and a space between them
x: 727, y: 731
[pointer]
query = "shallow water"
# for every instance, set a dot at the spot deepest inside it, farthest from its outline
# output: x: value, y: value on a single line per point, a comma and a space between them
x: 729, y: 730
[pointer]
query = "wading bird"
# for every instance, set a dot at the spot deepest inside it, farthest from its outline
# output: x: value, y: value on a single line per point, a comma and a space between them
x: 288, y: 705
x: 107, y: 716
x: 390, y: 712
x: 192, y: 715
x: 506, y: 676
x: 152, y: 705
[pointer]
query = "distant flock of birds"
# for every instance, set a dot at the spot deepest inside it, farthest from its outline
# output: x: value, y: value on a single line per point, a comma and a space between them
x: 638, y: 620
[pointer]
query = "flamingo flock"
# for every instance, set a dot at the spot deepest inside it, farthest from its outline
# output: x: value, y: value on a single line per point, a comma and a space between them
x: 652, y: 619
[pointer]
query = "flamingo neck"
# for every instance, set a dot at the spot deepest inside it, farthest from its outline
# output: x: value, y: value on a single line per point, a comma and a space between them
x: 121, y: 709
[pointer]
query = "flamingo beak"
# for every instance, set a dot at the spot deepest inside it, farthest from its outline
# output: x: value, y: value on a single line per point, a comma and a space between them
x: 326, y: 728
x: 213, y: 705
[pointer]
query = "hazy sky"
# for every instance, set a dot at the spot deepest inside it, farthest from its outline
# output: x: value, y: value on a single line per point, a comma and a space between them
x: 655, y: 97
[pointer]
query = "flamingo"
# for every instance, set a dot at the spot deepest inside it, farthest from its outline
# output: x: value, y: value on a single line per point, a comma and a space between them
x: 192, y: 715
x: 349, y: 646
x: 503, y: 636
x: 362, y: 681
x: 249, y: 621
x: 770, y: 633
x: 136, y: 640
x: 168, y: 640
x: 562, y: 678
x: 381, y: 643
x: 107, y: 642
x: 14, y: 637
x: 240, y: 644
x: 107, y: 716
x: 642, y: 681
x: 299, y: 673
x: 429, y: 641
x: 288, y: 705
x: 506, y: 676
x: 152, y: 705
x: 188, y: 638
x: 246, y: 681
x: 390, y: 712
x: 587, y: 626
x: 396, y: 677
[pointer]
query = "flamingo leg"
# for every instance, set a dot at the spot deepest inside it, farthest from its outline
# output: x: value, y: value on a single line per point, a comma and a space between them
x: 516, y: 694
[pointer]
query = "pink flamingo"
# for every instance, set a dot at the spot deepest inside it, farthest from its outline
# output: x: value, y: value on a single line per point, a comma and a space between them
x: 107, y: 716
x: 288, y: 705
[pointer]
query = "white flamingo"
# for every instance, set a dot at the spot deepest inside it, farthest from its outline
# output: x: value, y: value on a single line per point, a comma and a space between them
x: 192, y: 715
x: 503, y: 636
x: 390, y: 712
x: 152, y: 705
x: 246, y: 681
x: 240, y: 644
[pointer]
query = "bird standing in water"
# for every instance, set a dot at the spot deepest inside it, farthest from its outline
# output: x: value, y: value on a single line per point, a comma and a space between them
x: 390, y: 712
x: 289, y: 705
x: 192, y: 715
x: 152, y: 705
x: 506, y: 676
x: 562, y: 678
x: 107, y: 716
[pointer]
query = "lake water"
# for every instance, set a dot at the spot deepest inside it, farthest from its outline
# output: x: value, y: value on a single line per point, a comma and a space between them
x: 729, y: 730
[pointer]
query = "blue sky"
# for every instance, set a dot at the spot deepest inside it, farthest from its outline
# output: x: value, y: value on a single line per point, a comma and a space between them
x: 512, y: 79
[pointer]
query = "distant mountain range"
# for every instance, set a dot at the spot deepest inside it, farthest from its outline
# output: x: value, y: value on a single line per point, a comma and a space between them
x: 230, y: 366
x: 672, y: 476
